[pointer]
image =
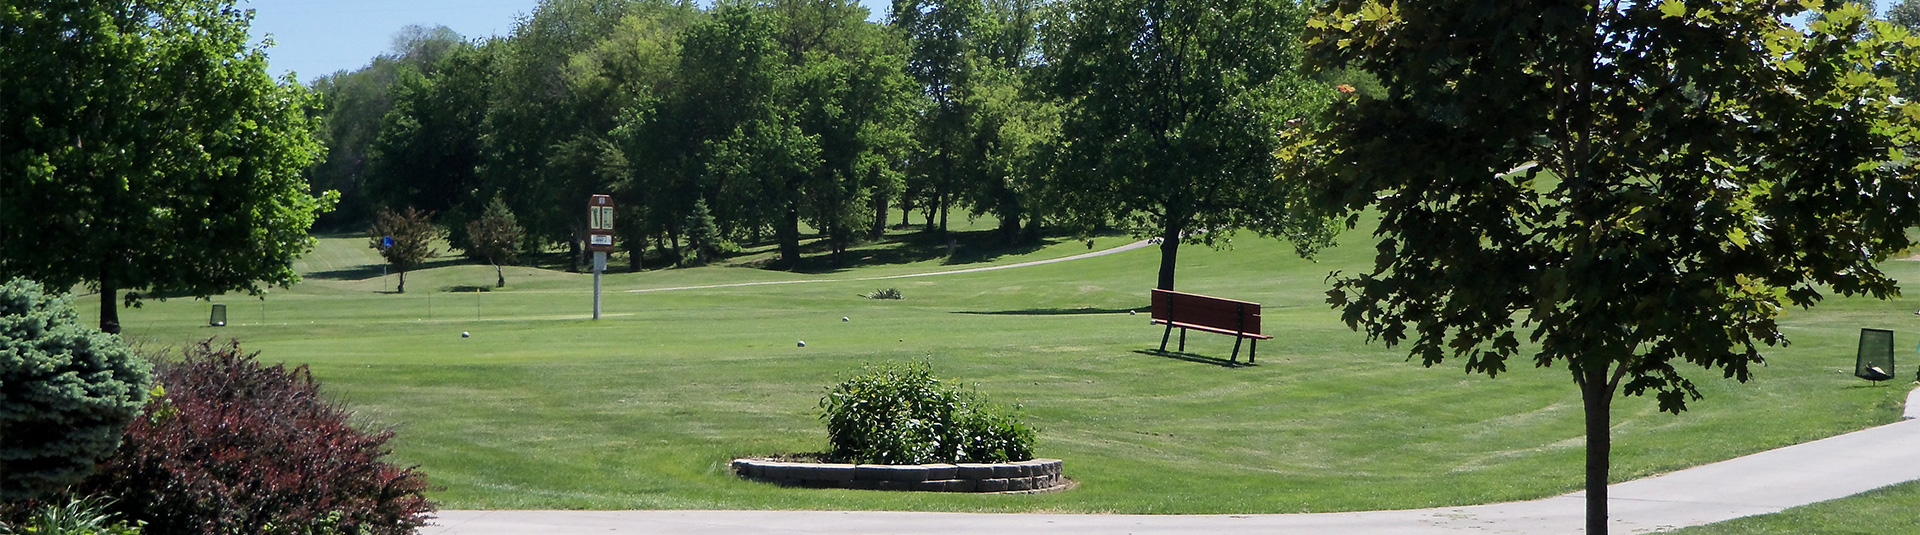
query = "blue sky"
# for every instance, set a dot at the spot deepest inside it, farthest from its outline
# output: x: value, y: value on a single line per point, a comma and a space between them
x: 314, y: 38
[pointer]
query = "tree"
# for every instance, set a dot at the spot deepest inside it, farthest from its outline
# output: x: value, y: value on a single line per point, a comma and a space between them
x: 735, y: 124
x: 428, y: 152
x: 787, y: 113
x: 940, y: 35
x: 143, y: 147
x: 1013, y: 125
x: 495, y: 238
x: 637, y: 66
x: 354, y: 104
x: 702, y: 235
x: 1634, y: 186
x: 411, y: 232
x: 1173, y: 109
x: 66, y: 392
x: 1906, y: 14
x: 546, y: 144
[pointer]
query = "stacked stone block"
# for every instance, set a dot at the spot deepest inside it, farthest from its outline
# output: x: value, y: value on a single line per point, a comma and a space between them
x: 1023, y: 476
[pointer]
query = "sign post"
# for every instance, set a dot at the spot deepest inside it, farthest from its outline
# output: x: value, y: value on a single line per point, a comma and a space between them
x: 599, y: 240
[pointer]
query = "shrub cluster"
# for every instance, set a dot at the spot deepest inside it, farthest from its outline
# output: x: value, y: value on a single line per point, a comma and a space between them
x: 66, y: 391
x: 887, y: 293
x: 234, y: 446
x: 902, y: 414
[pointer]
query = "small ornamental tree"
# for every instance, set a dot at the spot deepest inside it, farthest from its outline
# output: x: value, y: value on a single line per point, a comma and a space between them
x: 66, y: 392
x: 235, y: 446
x: 495, y: 238
x: 1636, y: 187
x: 412, y: 232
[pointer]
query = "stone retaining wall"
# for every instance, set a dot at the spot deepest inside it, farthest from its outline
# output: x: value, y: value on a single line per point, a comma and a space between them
x: 1027, y: 476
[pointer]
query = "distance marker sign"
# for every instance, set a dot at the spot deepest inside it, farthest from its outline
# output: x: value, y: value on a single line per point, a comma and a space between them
x: 600, y: 223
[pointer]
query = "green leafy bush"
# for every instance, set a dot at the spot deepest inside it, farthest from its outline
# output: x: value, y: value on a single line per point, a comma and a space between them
x: 902, y: 414
x: 84, y: 516
x: 888, y: 293
x: 66, y: 392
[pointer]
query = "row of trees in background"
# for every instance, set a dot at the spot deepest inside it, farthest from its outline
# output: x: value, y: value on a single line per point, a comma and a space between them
x: 750, y: 121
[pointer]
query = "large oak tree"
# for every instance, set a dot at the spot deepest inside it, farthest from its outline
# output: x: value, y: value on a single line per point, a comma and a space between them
x: 1632, y: 187
x: 144, y: 147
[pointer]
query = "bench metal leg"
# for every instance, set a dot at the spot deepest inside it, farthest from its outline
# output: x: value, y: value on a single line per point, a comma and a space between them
x: 1169, y: 332
x: 1236, y: 351
x: 1253, y: 348
x: 1183, y: 340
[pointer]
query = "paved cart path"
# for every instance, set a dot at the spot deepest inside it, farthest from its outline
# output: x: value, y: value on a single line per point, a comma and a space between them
x: 1761, y: 483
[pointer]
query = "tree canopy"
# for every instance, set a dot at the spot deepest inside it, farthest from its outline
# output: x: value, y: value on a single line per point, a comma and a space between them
x: 1172, y: 113
x: 792, y: 117
x: 144, y: 147
x: 1635, y: 187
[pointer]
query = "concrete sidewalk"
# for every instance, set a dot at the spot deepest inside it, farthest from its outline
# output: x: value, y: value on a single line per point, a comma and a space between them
x: 1756, y: 484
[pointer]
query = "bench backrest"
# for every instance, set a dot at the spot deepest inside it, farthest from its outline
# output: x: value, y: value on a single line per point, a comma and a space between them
x: 1213, y: 312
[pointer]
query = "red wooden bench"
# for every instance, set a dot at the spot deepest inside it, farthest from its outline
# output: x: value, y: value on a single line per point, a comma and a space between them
x: 1239, y: 319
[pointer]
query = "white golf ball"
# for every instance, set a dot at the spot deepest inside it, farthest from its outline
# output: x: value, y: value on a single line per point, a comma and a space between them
x: 844, y: 318
x: 464, y: 334
x: 803, y: 343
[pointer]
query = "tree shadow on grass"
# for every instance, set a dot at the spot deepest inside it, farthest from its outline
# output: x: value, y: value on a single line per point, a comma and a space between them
x: 1873, y: 384
x: 1050, y: 311
x: 1190, y: 357
x: 971, y: 247
x: 365, y: 271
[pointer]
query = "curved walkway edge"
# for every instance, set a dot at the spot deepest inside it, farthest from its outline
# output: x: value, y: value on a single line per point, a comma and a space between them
x: 1761, y: 483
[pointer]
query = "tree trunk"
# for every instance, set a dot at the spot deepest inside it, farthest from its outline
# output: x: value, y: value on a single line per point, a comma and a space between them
x: 879, y: 230
x: 402, y: 288
x: 679, y: 255
x: 573, y: 255
x: 109, y: 306
x: 789, y: 236
x: 943, y: 213
x: 906, y: 210
x: 838, y: 239
x: 1597, y: 394
x: 1169, y: 252
x: 932, y: 210
x: 1010, y: 228
x: 501, y: 274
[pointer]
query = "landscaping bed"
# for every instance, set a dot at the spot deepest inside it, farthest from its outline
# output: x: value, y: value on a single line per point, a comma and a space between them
x: 1037, y: 475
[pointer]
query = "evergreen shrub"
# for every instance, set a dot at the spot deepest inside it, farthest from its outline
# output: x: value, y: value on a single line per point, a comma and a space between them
x: 66, y: 392
x: 235, y: 446
x: 901, y: 414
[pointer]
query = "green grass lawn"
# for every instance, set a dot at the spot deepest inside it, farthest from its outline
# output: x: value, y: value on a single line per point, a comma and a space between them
x: 1893, y: 510
x: 544, y: 408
